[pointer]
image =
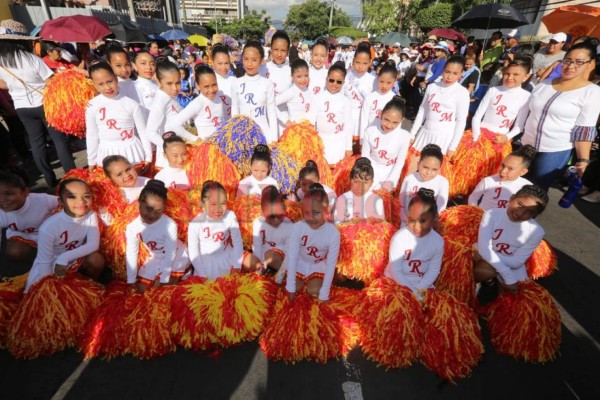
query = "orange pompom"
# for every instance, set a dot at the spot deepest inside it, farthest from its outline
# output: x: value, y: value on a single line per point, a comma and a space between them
x: 206, y: 162
x: 543, y: 262
x: 341, y: 175
x: 391, y: 205
x: 361, y: 257
x: 390, y: 321
x: 11, y: 293
x: 65, y: 100
x: 525, y: 325
x: 451, y: 343
x: 247, y: 209
x: 179, y: 211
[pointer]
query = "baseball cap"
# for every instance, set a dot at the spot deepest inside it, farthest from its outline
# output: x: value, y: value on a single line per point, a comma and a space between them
x: 514, y: 34
x: 397, y: 44
x: 432, y: 37
x: 559, y: 37
x: 442, y: 45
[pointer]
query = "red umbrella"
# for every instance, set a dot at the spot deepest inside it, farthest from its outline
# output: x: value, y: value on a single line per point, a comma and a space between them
x: 75, y: 28
x: 449, y: 34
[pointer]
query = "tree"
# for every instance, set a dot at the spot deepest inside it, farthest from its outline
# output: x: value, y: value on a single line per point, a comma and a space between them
x: 310, y: 19
x: 337, y: 31
x: 435, y: 16
x: 253, y: 25
x: 381, y: 16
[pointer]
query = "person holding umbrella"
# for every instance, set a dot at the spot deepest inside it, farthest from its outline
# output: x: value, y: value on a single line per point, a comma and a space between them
x: 24, y: 75
x: 494, y: 52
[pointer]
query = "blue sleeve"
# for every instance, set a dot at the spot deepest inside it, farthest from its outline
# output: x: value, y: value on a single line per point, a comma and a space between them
x: 437, y: 69
x: 556, y: 72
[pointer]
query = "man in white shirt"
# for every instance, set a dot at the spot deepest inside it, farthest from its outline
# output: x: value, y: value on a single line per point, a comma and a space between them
x: 395, y: 53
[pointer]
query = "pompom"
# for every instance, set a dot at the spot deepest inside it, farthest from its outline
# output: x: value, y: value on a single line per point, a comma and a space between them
x: 390, y: 321
x: 525, y: 325
x: 52, y: 315
x: 285, y: 169
x: 341, y: 175
x: 391, y: 205
x: 451, y: 343
x: 206, y: 162
x: 446, y: 169
x: 178, y: 210
x: 237, y: 139
x: 65, y: 100
x: 543, y: 262
x: 361, y: 257
x: 247, y: 209
x: 11, y: 293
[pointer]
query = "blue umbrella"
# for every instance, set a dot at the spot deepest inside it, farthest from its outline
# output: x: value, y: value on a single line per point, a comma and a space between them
x: 157, y: 37
x: 174, y: 34
x: 36, y: 30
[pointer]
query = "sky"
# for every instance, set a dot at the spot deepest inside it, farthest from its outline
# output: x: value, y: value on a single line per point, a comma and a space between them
x: 278, y: 9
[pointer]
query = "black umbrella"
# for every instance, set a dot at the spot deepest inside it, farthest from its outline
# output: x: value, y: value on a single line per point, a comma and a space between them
x: 128, y: 32
x: 491, y: 16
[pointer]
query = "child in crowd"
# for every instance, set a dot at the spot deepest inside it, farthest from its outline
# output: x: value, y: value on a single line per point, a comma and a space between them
x: 479, y: 94
x: 22, y: 213
x: 308, y: 175
x: 297, y: 99
x: 122, y: 173
x: 313, y: 248
x: 386, y: 144
x: 254, y: 95
x: 375, y: 101
x: 69, y: 241
x: 214, y: 239
x: 318, y: 71
x: 495, y: 191
x: 359, y: 83
x: 174, y: 174
x: 167, y: 260
x: 145, y: 87
x: 225, y: 78
x: 278, y: 72
x: 427, y: 176
x: 121, y: 66
x: 416, y: 250
x: 260, y: 170
x: 360, y: 201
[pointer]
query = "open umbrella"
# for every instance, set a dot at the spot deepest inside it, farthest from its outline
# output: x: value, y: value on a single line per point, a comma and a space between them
x: 174, y: 34
x: 74, y: 28
x: 36, y: 30
x: 394, y: 37
x: 344, y: 40
x: 198, y: 40
x: 158, y: 38
x: 491, y: 16
x: 448, y: 34
x: 128, y: 32
x: 576, y: 20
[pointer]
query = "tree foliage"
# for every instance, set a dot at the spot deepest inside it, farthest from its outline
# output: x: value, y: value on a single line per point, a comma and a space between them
x: 310, y: 19
x: 337, y: 31
x: 381, y: 16
x: 253, y: 25
x: 435, y: 16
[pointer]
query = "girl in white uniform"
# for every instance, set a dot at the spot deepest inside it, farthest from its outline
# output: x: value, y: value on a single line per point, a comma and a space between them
x: 443, y: 113
x: 334, y: 121
x: 254, y: 95
x: 427, y: 176
x: 214, y: 239
x: 121, y: 66
x: 225, y: 80
x: 495, y: 191
x: 260, y: 169
x: 386, y: 144
x: 359, y: 83
x: 123, y: 174
x: 308, y: 175
x: 508, y: 237
x: 298, y: 99
x: 317, y: 71
x: 207, y: 110
x: 416, y: 250
x: 145, y: 87
x: 167, y: 259
x: 22, y: 213
x: 164, y: 110
x: 313, y: 248
x: 174, y: 175
x: 360, y: 201
x: 69, y: 241
x: 375, y: 101
x: 113, y: 121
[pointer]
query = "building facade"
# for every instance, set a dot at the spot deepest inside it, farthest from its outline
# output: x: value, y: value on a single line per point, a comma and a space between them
x: 202, y: 11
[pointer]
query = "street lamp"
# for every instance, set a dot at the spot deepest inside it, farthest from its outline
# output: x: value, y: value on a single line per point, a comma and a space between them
x: 331, y: 14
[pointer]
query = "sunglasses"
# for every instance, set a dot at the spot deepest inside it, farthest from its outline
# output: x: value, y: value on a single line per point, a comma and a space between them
x: 335, y: 81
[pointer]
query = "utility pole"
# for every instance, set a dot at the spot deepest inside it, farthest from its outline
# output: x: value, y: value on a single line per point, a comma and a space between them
x: 331, y: 14
x: 131, y: 10
x: 184, y: 12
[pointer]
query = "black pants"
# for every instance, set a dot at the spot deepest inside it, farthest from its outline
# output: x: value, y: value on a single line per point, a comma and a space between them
x: 36, y: 126
x: 14, y: 137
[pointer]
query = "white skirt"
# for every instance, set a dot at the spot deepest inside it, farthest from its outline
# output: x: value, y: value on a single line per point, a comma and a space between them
x: 152, y: 268
x: 334, y: 146
x: 131, y: 149
x: 441, y: 138
x: 217, y: 265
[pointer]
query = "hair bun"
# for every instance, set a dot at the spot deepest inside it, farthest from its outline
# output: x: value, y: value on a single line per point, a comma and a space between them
x: 262, y: 148
x: 311, y: 164
x: 431, y: 146
x: 168, y: 135
x: 364, y: 45
x: 426, y: 193
x: 529, y: 151
x: 362, y: 161
x: 156, y: 183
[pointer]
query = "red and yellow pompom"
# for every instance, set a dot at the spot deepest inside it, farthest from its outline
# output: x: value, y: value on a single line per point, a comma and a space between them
x: 451, y: 343
x: 11, y: 293
x: 543, y: 262
x: 179, y: 211
x: 390, y: 320
x: 391, y: 205
x: 247, y: 209
x: 52, y: 315
x: 65, y: 100
x: 340, y: 177
x: 525, y: 325
x: 293, y: 210
x: 362, y: 257
x: 206, y: 162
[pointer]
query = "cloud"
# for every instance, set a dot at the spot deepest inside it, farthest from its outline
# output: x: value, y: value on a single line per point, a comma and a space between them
x: 278, y: 9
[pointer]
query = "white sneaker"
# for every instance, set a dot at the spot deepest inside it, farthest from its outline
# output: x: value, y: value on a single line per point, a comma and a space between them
x: 593, y: 197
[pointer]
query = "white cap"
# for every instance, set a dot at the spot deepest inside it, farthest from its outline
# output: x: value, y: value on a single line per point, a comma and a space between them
x: 397, y: 44
x: 559, y: 37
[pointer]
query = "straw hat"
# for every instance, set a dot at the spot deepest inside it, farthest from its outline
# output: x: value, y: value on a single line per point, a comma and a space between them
x: 13, y: 30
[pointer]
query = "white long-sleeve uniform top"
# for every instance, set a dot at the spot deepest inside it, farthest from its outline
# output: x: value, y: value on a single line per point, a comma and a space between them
x: 357, y: 88
x: 371, y: 110
x: 215, y: 246
x: 265, y: 237
x: 226, y: 86
x: 63, y: 240
x: 442, y: 116
x: 146, y: 91
x: 334, y: 123
x: 507, y: 245
x: 26, y: 221
x: 162, y: 118
x: 387, y: 152
x: 174, y: 178
x: 313, y: 250
x: 492, y: 193
x: 499, y: 109
x: 415, y: 262
x: 411, y: 185
x: 254, y: 97
x: 318, y: 79
x: 111, y: 125
x: 127, y: 88
x: 251, y: 186
x: 299, y: 104
x: 159, y: 238
x: 281, y: 76
x: 349, y: 206
x: 207, y: 114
